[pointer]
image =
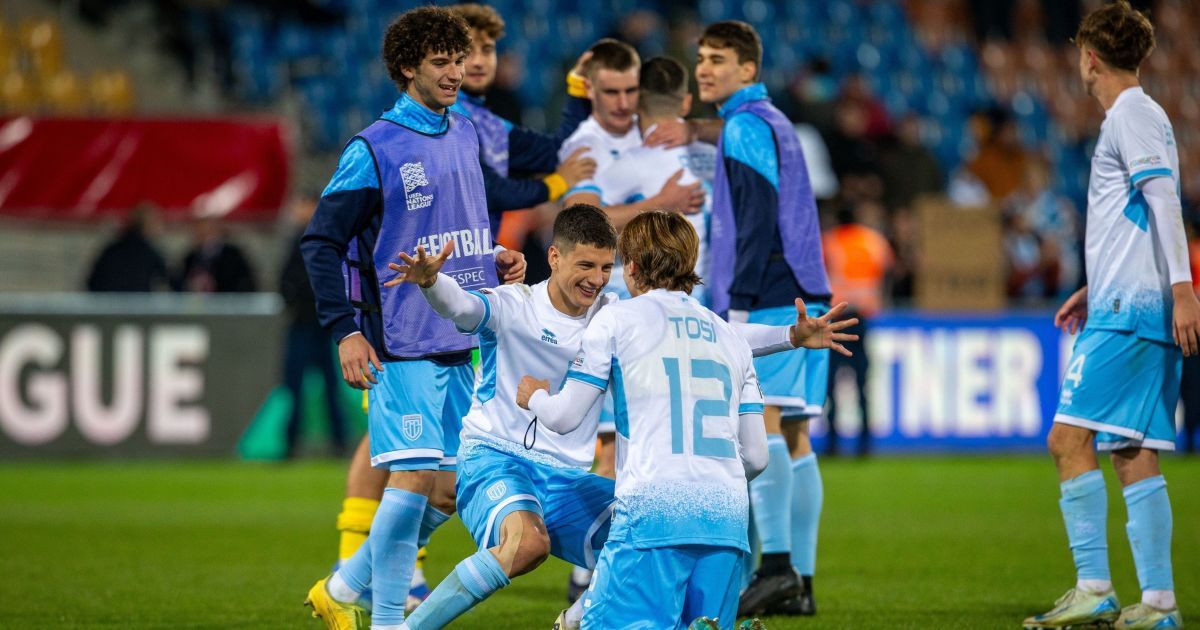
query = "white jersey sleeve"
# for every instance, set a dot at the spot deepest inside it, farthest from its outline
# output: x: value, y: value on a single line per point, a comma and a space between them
x: 1140, y: 136
x: 499, y: 305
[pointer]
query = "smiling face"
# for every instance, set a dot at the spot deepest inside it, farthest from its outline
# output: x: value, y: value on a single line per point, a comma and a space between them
x: 435, y: 82
x: 481, y: 64
x: 719, y: 75
x: 578, y: 275
x: 614, y: 96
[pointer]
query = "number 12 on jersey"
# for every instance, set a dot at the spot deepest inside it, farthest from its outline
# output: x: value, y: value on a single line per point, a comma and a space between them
x: 711, y: 407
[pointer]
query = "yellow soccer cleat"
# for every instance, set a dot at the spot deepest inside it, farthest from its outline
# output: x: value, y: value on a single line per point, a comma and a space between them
x: 1078, y: 609
x: 1146, y: 617
x: 336, y: 615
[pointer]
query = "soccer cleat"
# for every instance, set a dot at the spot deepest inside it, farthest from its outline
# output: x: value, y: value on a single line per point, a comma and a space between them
x: 766, y: 591
x: 752, y: 624
x: 802, y: 605
x: 1079, y: 609
x: 704, y: 623
x: 336, y: 615
x: 561, y: 622
x: 1143, y: 616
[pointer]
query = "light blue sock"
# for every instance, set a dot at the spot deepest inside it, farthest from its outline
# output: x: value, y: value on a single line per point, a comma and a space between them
x: 430, y: 521
x: 356, y: 571
x: 1084, y: 506
x: 471, y: 582
x: 808, y: 493
x: 1149, y: 530
x: 393, y: 543
x: 770, y: 494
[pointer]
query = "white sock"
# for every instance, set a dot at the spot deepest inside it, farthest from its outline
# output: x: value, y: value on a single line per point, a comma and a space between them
x: 580, y: 575
x: 575, y: 612
x: 1162, y: 600
x: 402, y: 626
x: 418, y: 577
x: 340, y: 591
x: 1094, y: 586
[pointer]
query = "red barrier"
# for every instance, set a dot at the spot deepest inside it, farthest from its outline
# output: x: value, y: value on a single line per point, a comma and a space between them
x: 82, y: 168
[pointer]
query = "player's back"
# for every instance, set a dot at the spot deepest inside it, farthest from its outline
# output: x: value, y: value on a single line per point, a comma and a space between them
x: 680, y: 376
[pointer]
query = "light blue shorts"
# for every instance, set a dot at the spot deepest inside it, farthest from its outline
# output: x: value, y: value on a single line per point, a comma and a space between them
x: 496, y: 479
x: 795, y: 380
x: 414, y: 414
x: 1123, y: 387
x: 663, y: 587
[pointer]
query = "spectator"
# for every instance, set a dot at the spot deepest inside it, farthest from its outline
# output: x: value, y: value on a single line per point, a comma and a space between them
x: 213, y: 265
x: 853, y: 155
x: 131, y: 263
x: 1031, y: 261
x: 857, y: 258
x: 810, y: 96
x: 908, y: 169
x: 307, y: 344
x: 1001, y: 160
x: 856, y: 90
x: 1053, y: 218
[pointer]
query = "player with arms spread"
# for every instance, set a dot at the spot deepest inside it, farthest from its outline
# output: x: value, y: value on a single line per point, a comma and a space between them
x: 1122, y: 384
x: 523, y: 493
x: 690, y: 433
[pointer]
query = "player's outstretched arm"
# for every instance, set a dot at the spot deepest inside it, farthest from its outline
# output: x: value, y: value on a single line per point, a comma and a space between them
x: 442, y: 292
x: 824, y: 331
x: 1072, y: 315
x: 563, y: 412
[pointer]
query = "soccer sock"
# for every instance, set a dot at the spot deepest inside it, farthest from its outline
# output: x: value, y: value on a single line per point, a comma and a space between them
x: 353, y: 577
x: 354, y: 523
x: 471, y: 582
x: 574, y: 614
x: 393, y: 542
x: 770, y: 494
x: 808, y: 493
x: 1149, y: 530
x: 1085, y: 510
x: 430, y: 521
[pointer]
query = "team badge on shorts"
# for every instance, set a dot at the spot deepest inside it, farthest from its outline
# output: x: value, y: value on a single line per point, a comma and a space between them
x: 496, y: 490
x: 412, y: 426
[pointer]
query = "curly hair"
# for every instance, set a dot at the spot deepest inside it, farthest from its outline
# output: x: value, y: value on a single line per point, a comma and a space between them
x: 481, y: 17
x: 420, y: 32
x: 1122, y: 36
x: 663, y: 247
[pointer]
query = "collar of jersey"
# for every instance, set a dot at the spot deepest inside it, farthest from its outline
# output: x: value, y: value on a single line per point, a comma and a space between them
x: 1126, y: 94
x: 753, y: 92
x: 465, y: 103
x: 541, y: 294
x: 407, y: 112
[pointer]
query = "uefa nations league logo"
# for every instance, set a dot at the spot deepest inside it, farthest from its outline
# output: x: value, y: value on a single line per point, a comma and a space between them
x: 412, y: 426
x: 413, y: 175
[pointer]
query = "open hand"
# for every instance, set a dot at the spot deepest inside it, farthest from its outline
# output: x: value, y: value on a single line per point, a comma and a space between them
x: 1073, y: 314
x: 422, y: 270
x: 821, y: 332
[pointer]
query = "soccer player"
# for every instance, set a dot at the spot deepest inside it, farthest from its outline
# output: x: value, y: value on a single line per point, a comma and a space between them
x: 689, y: 417
x: 413, y: 177
x: 765, y: 233
x: 522, y: 493
x: 1121, y: 387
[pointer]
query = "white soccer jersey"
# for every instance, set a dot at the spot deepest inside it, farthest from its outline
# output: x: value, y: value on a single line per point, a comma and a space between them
x: 680, y: 377
x: 1128, y: 286
x: 523, y: 333
x: 605, y: 148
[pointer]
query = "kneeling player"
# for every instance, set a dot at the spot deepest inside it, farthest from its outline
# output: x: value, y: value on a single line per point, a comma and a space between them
x: 678, y: 536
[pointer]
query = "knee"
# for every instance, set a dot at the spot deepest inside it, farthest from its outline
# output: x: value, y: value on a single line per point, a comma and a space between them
x: 1063, y: 444
x: 444, y: 502
x: 525, y: 550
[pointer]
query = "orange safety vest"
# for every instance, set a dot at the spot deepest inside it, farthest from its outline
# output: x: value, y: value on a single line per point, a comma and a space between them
x: 856, y: 258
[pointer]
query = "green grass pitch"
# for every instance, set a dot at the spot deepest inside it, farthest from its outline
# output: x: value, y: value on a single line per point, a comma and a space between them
x: 906, y: 542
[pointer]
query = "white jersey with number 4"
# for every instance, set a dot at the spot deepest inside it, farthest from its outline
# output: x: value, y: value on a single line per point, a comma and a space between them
x: 1128, y: 286
x: 680, y: 377
x: 523, y: 333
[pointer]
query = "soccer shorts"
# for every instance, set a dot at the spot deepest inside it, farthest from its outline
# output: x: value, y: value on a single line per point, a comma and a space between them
x: 663, y: 587
x: 497, y: 478
x: 1123, y: 387
x: 414, y: 414
x: 795, y: 380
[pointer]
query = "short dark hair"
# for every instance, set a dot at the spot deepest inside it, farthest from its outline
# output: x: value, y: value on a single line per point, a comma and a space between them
x: 419, y: 32
x: 611, y: 54
x: 739, y: 36
x: 480, y: 17
x: 583, y: 224
x: 663, y: 246
x: 1121, y: 35
x: 662, y: 85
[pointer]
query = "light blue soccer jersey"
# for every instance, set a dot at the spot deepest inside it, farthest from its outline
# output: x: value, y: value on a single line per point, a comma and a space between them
x: 680, y: 377
x: 1128, y: 286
